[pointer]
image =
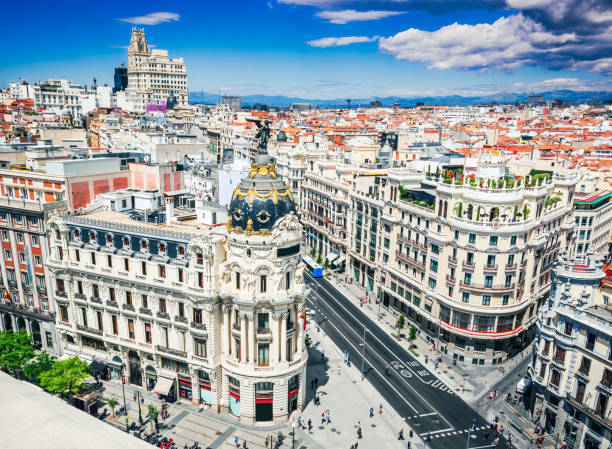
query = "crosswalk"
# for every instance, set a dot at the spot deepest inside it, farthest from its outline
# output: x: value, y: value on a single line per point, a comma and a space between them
x: 442, y: 434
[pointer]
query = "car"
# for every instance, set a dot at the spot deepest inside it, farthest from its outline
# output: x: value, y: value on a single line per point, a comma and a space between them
x: 310, y: 312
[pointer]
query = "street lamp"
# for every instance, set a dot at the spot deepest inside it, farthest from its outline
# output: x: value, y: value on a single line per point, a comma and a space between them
x: 127, y: 429
x: 293, y: 436
x: 363, y: 352
x: 467, y: 445
x: 139, y: 399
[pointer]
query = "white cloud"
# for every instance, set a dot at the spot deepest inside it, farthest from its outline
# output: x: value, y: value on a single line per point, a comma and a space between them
x: 340, y: 41
x: 506, y: 44
x: 350, y: 15
x: 154, y: 18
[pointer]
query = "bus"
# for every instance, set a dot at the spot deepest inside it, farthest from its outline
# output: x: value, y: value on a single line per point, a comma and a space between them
x: 313, y: 268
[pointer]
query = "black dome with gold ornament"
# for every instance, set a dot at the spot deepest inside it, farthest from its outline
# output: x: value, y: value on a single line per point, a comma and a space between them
x: 260, y: 200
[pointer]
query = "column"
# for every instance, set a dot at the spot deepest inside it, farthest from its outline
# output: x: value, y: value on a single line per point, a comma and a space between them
x: 300, y: 332
x: 251, y: 336
x: 283, y: 339
x: 225, y: 342
x: 275, y: 338
x: 243, y: 338
x: 14, y: 323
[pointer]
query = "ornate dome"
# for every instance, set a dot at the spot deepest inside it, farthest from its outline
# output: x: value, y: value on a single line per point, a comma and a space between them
x: 260, y: 200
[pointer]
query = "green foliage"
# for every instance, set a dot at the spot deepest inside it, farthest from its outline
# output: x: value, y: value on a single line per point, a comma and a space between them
x: 401, y: 322
x: 412, y: 333
x: 112, y: 402
x: 153, y: 415
x: 326, y: 262
x: 319, y: 259
x: 437, y: 172
x: 459, y: 209
x: 16, y: 349
x: 307, y: 340
x: 429, y: 170
x: 43, y: 362
x: 66, y: 376
x: 313, y: 252
x: 526, y: 211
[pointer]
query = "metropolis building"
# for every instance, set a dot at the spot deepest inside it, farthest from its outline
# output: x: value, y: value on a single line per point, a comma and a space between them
x: 212, y: 316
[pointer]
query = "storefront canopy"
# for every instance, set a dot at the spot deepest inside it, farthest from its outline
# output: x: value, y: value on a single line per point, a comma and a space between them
x: 163, y: 385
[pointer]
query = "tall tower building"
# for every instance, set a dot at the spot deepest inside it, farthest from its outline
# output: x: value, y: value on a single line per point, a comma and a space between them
x: 153, y: 76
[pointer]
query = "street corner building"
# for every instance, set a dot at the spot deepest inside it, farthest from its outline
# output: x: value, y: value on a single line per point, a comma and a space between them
x: 212, y: 316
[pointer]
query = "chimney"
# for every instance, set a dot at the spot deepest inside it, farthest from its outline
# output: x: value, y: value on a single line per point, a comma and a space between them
x: 169, y: 209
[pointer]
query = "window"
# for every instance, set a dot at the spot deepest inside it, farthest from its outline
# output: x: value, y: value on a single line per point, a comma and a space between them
x: 263, y: 322
x: 237, y: 278
x: 147, y: 328
x: 115, y: 327
x: 143, y: 268
x: 432, y: 283
x: 488, y: 281
x: 162, y: 271
x: 131, y: 333
x: 22, y: 258
x: 126, y: 264
x: 197, y: 316
x: 7, y: 254
x: 84, y: 316
x: 287, y: 280
x: 92, y: 258
x: 199, y: 259
x: 560, y: 354
x: 467, y: 279
x: 180, y: 274
x: 505, y: 300
x: 546, y: 347
x: 263, y: 354
x: 434, y: 265
x: 486, y: 300
x: 480, y: 345
x: 100, y: 325
x: 513, y: 240
x: 162, y: 305
x: 490, y: 261
x: 607, y: 377
x: 262, y: 283
x: 5, y: 236
x: 466, y: 297
x: 128, y: 298
x: 555, y: 378
x: 80, y: 287
x: 200, y: 279
x: 472, y: 238
x: 511, y: 260
x: 77, y: 255
x: 470, y: 259
x: 109, y: 261
x: 37, y: 260
x: 199, y: 347
x: 493, y: 240
x: 60, y: 253
x: 111, y: 294
x: 20, y: 238
x: 568, y: 329
x: 63, y: 313
x: 456, y: 235
x: 95, y: 291
x: 59, y: 282
x: 585, y: 365
x: 542, y: 370
x: 144, y: 245
x: 508, y: 281
x: 145, y: 302
x: 590, y: 342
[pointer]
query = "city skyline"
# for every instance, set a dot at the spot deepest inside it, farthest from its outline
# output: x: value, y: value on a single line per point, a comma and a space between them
x: 333, y: 48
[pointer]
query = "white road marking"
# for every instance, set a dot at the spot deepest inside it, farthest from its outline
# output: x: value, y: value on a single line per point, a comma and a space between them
x: 391, y: 352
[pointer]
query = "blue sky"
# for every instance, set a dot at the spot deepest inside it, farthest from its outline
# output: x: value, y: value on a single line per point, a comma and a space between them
x: 325, y: 48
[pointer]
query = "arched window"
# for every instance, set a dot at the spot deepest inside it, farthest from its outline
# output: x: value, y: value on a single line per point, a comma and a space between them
x: 109, y: 239
x: 126, y: 242
x: 162, y: 248
x: 181, y: 251
x: 144, y: 245
x: 77, y: 234
x: 92, y: 236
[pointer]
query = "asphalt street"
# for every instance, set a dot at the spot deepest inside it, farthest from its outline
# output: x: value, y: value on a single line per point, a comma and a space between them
x: 425, y: 402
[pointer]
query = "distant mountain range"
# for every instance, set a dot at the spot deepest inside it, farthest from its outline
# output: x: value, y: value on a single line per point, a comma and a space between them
x: 448, y: 100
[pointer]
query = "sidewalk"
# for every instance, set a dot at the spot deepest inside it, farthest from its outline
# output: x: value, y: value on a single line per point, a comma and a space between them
x: 470, y: 382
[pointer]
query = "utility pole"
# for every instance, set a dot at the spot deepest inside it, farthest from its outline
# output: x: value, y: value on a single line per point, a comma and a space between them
x: 138, y: 399
x: 124, y: 403
x: 363, y: 353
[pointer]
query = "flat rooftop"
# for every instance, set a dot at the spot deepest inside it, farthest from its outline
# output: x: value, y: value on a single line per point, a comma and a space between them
x: 37, y: 419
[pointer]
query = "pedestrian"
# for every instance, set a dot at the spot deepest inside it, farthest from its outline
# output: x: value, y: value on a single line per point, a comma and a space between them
x: 380, y: 409
x: 299, y: 422
x: 352, y: 446
x: 309, y: 424
x: 312, y: 384
x: 409, y: 445
x: 327, y: 418
x: 474, y: 424
x: 244, y: 446
x: 428, y: 437
x: 496, y: 442
x: 317, y: 400
x: 358, y: 427
x: 316, y: 381
x: 371, y: 412
x: 322, y: 418
x: 494, y: 394
x: 501, y: 430
x: 510, y: 437
x: 400, y: 436
x: 236, y: 443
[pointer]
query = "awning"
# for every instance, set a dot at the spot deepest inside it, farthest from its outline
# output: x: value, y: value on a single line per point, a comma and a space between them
x: 163, y: 385
x: 333, y: 256
x: 311, y: 235
x: 340, y: 261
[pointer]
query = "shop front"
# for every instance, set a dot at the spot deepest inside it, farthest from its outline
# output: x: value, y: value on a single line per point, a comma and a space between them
x: 185, y: 387
x: 114, y: 369
x: 205, y: 387
x: 165, y: 388
x: 234, y: 396
x: 292, y: 396
x: 150, y: 377
x: 264, y: 398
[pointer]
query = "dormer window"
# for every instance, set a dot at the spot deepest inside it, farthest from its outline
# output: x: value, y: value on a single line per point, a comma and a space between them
x: 143, y: 245
x: 199, y: 259
x: 77, y: 234
x: 109, y: 239
x: 181, y: 251
x: 92, y: 236
x: 162, y: 248
x: 126, y: 242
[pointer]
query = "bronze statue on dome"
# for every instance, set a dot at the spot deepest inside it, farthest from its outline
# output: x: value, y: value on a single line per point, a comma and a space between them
x: 262, y: 136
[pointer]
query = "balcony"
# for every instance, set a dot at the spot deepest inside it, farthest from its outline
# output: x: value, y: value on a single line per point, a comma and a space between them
x: 89, y: 330
x: 409, y: 260
x: 451, y: 260
x: 174, y: 352
x: 490, y: 268
x: 13, y: 283
x: 80, y: 296
x: 180, y: 319
x: 163, y: 315
x: 129, y: 307
x: 60, y: 294
x: 450, y: 280
x: 32, y: 311
x: 110, y: 303
x: 145, y: 311
x: 606, y: 421
x: 198, y: 326
x: 95, y: 299
x: 487, y: 287
x: 468, y: 265
x: 511, y: 267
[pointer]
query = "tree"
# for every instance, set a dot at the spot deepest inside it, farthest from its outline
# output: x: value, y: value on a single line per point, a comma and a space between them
x: 326, y: 262
x: 412, y: 334
x: 313, y: 252
x: 319, y: 259
x: 437, y: 171
x: 153, y: 415
x: 401, y: 323
x: 307, y: 340
x: 16, y: 349
x: 43, y: 362
x: 66, y: 376
x: 112, y: 402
